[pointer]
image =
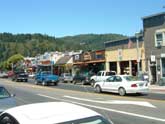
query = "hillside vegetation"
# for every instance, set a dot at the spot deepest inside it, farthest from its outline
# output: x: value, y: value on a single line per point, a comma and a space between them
x: 33, y: 44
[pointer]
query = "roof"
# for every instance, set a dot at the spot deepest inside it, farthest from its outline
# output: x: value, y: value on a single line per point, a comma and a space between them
x: 50, y: 113
x: 127, y: 38
x: 158, y: 14
x: 63, y: 60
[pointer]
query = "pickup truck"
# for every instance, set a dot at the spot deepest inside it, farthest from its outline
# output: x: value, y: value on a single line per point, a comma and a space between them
x: 46, y: 78
x: 101, y: 76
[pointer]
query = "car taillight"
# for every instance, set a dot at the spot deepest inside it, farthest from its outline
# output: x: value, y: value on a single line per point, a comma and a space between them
x: 133, y: 85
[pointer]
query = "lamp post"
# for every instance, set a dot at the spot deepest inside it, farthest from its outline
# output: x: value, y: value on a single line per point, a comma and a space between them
x: 137, y: 48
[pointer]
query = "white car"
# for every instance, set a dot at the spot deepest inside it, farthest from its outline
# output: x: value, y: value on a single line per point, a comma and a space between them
x: 52, y: 113
x: 122, y: 84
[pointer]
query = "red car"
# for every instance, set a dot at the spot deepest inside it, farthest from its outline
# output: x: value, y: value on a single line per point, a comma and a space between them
x: 10, y: 73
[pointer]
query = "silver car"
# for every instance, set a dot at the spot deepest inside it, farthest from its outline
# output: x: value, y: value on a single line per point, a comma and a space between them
x: 66, y: 77
x: 7, y: 100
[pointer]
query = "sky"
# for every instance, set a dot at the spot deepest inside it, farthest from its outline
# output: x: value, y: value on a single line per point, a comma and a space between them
x: 61, y: 18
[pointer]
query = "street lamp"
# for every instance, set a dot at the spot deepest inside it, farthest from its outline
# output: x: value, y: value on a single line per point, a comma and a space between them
x: 137, y: 49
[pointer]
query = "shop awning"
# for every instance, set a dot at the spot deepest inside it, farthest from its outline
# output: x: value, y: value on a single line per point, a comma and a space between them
x: 63, y: 60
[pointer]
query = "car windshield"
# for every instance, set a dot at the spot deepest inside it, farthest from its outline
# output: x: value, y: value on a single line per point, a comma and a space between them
x: 46, y: 72
x: 131, y: 78
x: 67, y: 74
x: 4, y: 93
x: 90, y: 120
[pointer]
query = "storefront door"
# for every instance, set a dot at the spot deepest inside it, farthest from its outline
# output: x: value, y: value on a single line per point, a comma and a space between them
x: 163, y: 67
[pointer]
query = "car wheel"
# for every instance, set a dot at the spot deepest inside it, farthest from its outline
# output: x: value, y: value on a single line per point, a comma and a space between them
x: 44, y: 83
x: 122, y: 91
x: 92, y: 83
x: 55, y: 84
x: 98, y: 89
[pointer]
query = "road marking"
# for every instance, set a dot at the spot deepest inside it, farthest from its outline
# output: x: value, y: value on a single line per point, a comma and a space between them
x: 139, y: 103
x: 9, y: 83
x: 106, y: 109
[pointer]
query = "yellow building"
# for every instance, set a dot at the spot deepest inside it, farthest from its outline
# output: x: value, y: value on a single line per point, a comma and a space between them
x: 122, y: 55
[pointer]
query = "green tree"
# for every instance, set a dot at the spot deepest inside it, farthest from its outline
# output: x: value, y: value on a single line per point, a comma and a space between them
x: 14, y: 61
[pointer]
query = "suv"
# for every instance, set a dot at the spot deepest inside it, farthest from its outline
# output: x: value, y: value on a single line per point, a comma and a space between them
x: 20, y: 76
x: 81, y: 78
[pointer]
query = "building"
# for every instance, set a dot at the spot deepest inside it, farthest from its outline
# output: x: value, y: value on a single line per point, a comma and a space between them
x: 154, y: 42
x: 89, y: 61
x: 121, y: 55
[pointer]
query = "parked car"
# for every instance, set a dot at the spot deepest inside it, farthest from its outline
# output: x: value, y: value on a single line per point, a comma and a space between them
x: 7, y: 100
x: 122, y: 84
x: 52, y: 113
x: 66, y: 77
x: 10, y: 73
x: 20, y: 76
x: 3, y: 75
x: 46, y: 78
x: 101, y: 76
x: 31, y: 75
x: 81, y: 78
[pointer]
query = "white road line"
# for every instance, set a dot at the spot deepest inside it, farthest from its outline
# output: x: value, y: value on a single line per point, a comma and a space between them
x: 139, y: 103
x: 107, y: 109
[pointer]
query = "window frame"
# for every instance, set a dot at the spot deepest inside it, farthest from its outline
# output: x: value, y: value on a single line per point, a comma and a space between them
x: 162, y: 42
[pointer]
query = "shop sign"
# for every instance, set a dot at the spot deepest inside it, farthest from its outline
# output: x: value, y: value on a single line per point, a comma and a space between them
x: 87, y: 56
x: 46, y: 62
x: 153, y: 58
x: 119, y: 54
x: 99, y: 54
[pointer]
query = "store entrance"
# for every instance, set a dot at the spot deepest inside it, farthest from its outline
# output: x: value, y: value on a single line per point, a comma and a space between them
x: 113, y: 66
x: 153, y: 73
x: 163, y: 67
x: 124, y: 66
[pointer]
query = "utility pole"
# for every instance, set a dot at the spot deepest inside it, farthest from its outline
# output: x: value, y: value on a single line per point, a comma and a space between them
x: 137, y: 48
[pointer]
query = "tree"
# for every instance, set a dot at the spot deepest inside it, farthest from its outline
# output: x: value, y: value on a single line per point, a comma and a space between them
x: 13, y: 61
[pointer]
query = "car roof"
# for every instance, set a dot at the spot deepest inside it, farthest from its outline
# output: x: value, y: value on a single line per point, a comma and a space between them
x: 49, y: 113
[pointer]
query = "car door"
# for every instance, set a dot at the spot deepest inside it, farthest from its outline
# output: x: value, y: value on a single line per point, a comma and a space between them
x: 108, y: 83
x: 117, y: 83
x: 98, y: 77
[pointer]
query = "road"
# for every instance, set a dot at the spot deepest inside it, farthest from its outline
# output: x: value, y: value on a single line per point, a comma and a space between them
x: 88, y: 88
x: 121, y: 110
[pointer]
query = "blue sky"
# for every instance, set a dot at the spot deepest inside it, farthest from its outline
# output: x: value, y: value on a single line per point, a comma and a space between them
x: 72, y: 17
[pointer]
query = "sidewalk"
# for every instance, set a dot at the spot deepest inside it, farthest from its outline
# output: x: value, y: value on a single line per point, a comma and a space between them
x: 157, y: 89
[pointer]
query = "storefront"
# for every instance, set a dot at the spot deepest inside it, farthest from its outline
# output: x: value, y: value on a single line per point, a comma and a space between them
x: 64, y: 65
x: 163, y: 66
x: 122, y: 58
x: 89, y: 62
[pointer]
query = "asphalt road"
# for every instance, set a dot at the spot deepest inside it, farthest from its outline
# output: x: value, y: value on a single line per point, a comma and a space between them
x: 88, y: 88
x: 121, y: 110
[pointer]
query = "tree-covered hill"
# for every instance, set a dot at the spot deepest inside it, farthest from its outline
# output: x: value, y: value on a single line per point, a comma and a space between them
x: 33, y: 44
